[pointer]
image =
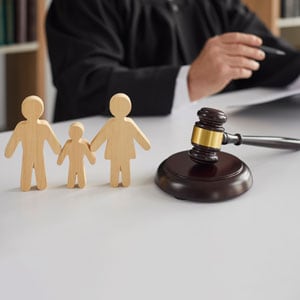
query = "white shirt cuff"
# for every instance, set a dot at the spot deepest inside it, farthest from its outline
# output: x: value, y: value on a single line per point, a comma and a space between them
x: 181, y: 93
x: 295, y: 84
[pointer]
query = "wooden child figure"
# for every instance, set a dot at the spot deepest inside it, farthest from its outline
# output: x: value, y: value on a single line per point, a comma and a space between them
x: 120, y: 133
x: 76, y: 148
x: 32, y: 133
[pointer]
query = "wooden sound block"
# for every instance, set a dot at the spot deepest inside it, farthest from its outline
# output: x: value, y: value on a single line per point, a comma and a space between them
x: 184, y: 179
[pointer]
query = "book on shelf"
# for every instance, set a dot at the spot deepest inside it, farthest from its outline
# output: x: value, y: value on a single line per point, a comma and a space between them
x: 2, y: 23
x: 10, y: 20
x: 290, y: 8
x: 31, y: 17
x: 18, y: 21
x: 21, y: 21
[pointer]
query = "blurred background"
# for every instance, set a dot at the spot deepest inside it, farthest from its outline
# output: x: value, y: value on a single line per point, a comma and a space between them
x: 24, y: 64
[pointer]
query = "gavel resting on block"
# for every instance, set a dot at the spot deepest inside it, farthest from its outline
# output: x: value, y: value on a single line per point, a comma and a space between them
x: 206, y: 174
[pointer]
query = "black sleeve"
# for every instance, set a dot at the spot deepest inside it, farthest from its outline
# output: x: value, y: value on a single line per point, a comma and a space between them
x: 275, y: 70
x: 87, y: 53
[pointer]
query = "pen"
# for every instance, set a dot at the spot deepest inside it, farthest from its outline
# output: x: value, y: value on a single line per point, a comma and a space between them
x: 271, y: 50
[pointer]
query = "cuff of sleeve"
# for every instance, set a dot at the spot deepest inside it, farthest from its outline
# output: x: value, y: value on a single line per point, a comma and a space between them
x: 181, y: 93
x: 295, y: 84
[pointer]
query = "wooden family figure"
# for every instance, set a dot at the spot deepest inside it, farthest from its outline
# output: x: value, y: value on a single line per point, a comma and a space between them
x: 120, y: 132
x: 32, y: 133
x: 76, y: 148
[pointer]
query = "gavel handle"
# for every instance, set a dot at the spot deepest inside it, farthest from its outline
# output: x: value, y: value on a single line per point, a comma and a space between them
x: 263, y: 141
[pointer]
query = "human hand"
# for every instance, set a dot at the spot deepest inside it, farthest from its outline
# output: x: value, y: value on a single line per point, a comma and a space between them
x: 224, y: 58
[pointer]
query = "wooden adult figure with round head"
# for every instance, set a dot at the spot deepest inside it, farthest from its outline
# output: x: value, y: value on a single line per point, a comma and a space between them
x: 32, y: 133
x: 120, y: 132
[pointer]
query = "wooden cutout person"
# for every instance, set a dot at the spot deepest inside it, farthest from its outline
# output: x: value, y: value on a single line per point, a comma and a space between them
x: 120, y: 133
x: 76, y: 148
x: 32, y: 133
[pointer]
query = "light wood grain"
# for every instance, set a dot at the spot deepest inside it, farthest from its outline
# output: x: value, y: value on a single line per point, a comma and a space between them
x: 32, y: 133
x: 76, y: 148
x: 120, y: 132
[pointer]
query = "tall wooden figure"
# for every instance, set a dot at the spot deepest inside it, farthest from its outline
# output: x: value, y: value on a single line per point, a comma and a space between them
x: 32, y: 133
x: 120, y: 133
x: 76, y: 148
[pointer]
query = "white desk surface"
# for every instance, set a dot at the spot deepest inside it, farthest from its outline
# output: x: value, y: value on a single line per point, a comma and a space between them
x: 138, y: 243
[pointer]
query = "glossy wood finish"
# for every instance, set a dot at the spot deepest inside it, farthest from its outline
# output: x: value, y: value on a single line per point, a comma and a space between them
x: 184, y: 179
x: 207, y: 135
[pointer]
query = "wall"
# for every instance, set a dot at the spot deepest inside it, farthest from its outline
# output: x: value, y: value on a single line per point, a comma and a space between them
x: 291, y: 35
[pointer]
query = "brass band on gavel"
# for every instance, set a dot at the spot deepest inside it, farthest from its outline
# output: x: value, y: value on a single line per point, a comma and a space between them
x: 207, y: 138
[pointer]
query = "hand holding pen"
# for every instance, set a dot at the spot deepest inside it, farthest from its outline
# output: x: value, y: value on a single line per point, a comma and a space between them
x: 225, y: 57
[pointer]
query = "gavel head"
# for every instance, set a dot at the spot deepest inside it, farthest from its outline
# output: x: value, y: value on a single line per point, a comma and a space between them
x: 207, y: 135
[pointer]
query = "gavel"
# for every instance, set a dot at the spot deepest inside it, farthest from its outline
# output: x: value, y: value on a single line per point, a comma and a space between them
x: 209, y: 134
x: 206, y: 174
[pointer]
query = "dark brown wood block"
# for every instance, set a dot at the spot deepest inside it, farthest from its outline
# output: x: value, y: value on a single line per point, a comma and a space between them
x: 185, y: 179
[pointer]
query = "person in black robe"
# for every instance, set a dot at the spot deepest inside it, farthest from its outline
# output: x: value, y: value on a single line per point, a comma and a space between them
x: 100, y: 47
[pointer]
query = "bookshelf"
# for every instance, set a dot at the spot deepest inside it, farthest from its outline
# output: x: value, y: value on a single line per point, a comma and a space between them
x: 289, y: 22
x: 19, y: 48
x: 24, y: 69
x: 270, y: 12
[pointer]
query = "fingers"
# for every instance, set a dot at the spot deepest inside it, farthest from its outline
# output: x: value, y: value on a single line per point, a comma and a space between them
x: 226, y: 57
x: 239, y: 52
x: 240, y: 73
x: 245, y: 51
x: 242, y: 62
x: 239, y: 44
x: 241, y: 38
x: 235, y: 69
